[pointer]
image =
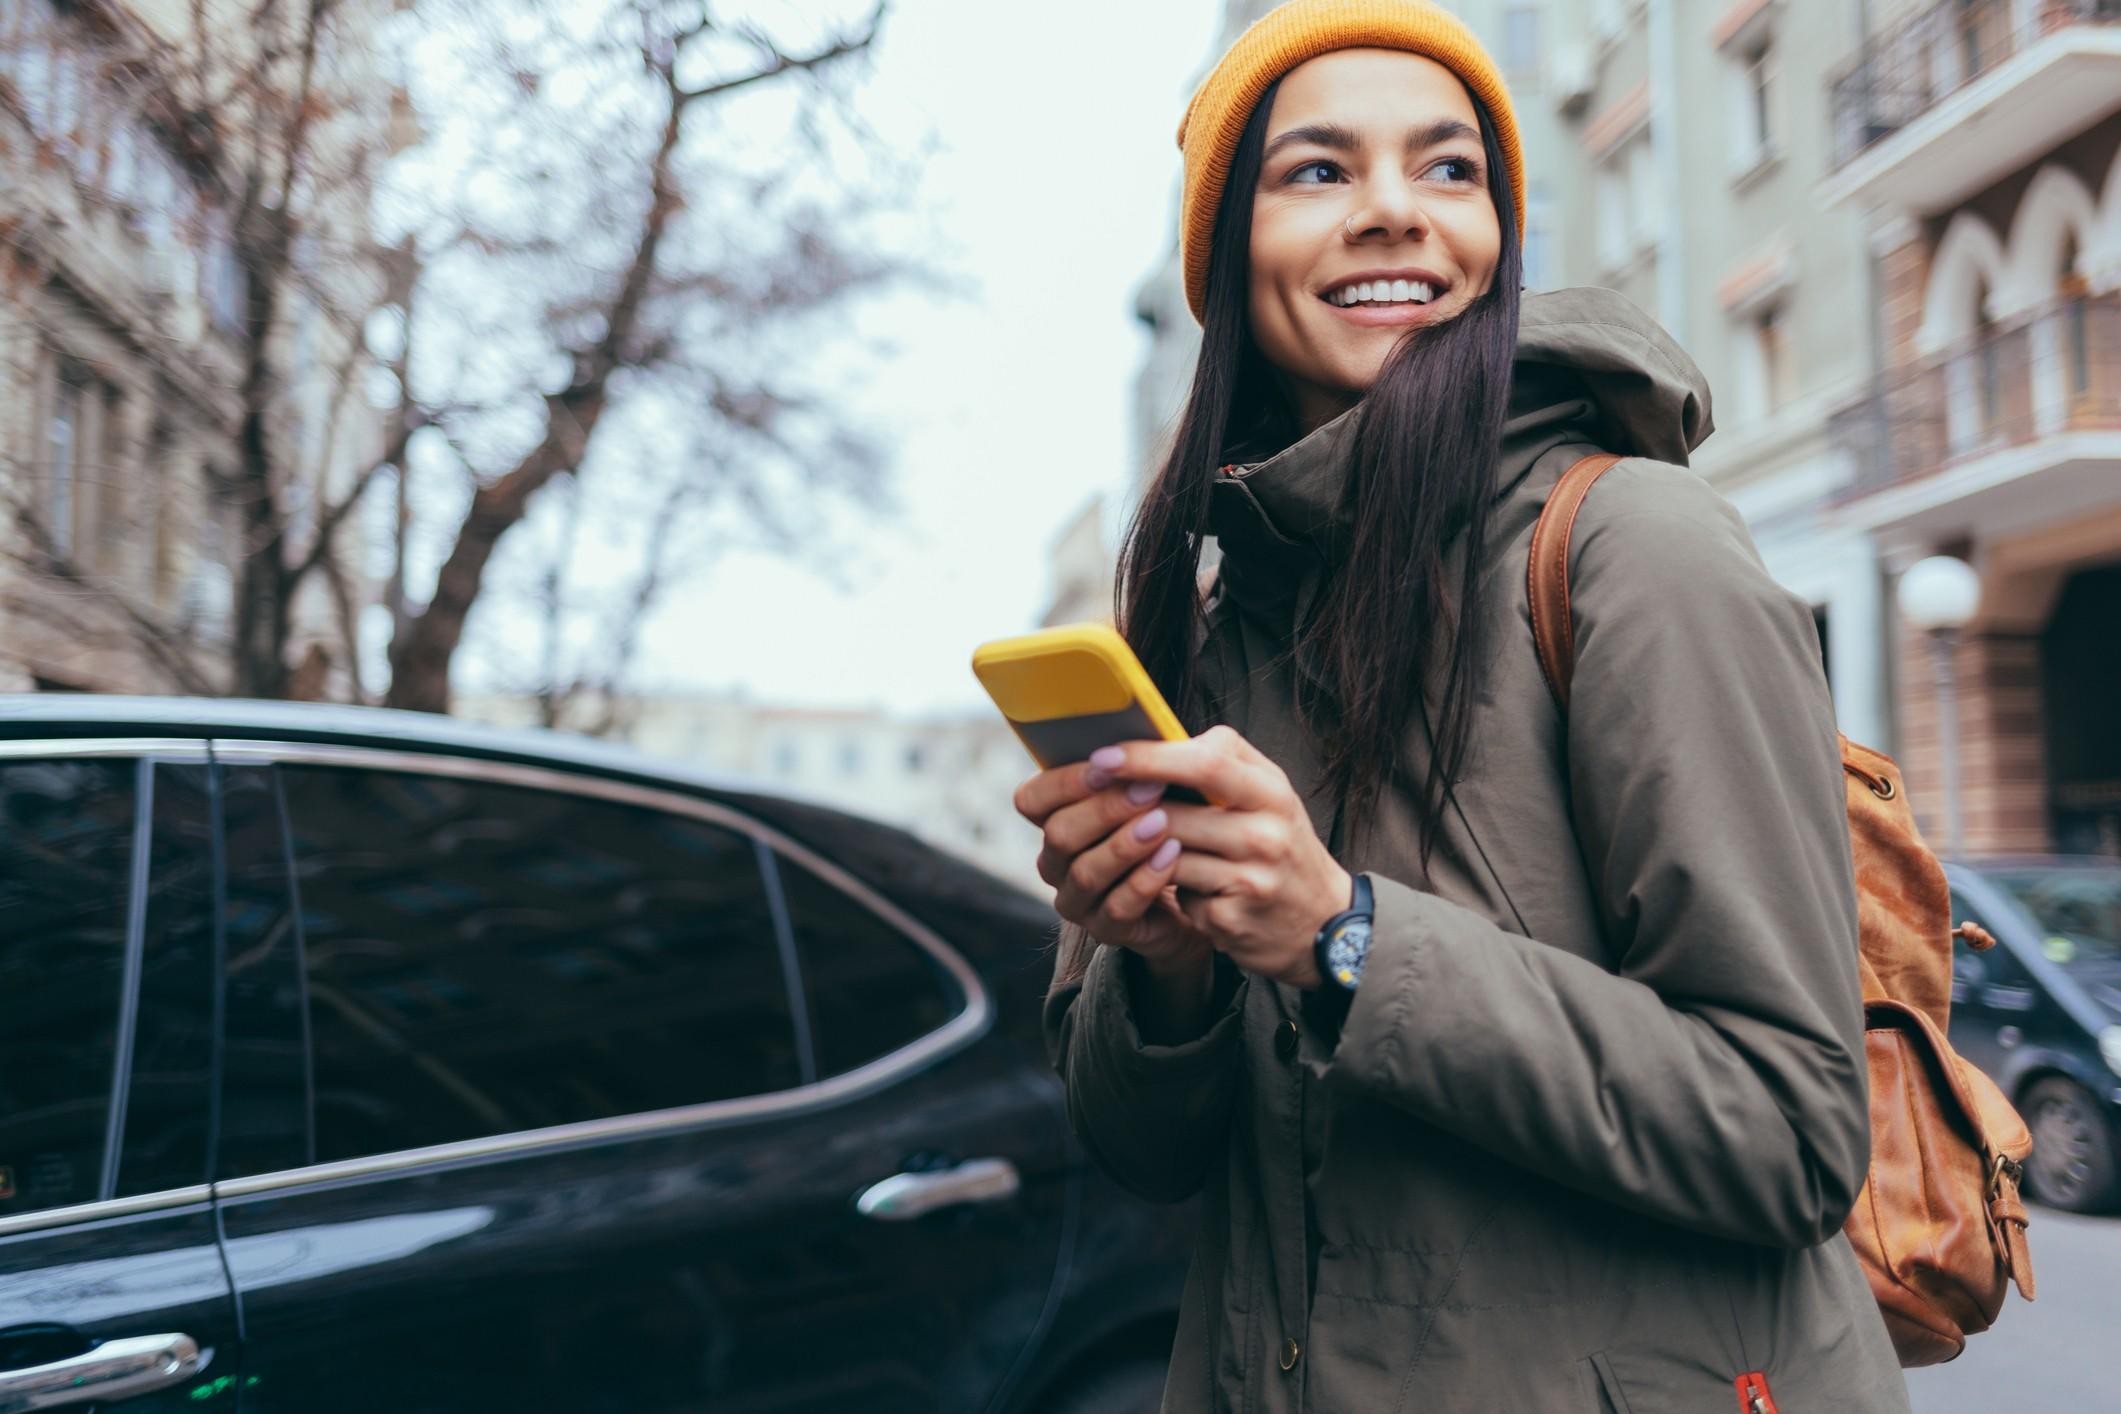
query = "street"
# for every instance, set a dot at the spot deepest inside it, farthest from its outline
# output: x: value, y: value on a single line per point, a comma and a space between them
x: 2054, y: 1354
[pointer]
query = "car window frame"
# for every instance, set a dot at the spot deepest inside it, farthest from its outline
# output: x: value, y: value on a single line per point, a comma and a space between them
x: 972, y: 1019
x: 146, y: 753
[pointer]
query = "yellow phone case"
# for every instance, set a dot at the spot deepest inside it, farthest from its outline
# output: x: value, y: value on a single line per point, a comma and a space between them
x: 1068, y: 691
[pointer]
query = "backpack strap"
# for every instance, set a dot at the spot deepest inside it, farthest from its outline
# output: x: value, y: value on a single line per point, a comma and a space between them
x: 1553, y: 629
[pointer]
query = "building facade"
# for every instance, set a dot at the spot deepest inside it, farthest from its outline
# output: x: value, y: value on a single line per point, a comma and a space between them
x: 1979, y: 142
x: 1686, y: 179
x: 126, y: 314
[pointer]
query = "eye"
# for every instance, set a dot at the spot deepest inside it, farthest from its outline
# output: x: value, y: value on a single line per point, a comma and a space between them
x: 1464, y: 169
x: 1301, y: 174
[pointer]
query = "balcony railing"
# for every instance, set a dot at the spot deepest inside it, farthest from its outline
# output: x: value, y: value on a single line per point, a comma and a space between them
x: 2058, y: 371
x: 1905, y: 70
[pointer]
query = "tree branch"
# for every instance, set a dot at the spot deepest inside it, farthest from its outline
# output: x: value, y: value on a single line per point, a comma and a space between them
x: 335, y: 515
x: 785, y: 63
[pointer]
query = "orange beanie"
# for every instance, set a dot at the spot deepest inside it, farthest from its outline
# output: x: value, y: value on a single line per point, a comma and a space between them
x: 1288, y: 36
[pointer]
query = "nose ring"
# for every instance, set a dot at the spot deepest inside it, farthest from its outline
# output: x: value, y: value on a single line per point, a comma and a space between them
x: 1348, y: 225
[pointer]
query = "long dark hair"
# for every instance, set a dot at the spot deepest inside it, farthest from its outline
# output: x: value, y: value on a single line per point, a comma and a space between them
x: 1422, y: 471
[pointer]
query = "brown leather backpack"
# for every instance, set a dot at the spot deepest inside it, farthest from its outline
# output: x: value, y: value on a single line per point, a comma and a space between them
x: 1938, y: 1227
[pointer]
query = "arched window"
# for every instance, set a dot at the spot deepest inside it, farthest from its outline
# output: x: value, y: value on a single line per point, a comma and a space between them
x: 2073, y: 292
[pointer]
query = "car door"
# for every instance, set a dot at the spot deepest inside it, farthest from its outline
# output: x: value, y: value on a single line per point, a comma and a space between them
x: 112, y: 1290
x: 568, y: 1131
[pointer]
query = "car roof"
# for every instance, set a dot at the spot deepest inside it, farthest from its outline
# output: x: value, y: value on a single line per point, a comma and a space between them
x: 87, y: 715
x: 2009, y: 863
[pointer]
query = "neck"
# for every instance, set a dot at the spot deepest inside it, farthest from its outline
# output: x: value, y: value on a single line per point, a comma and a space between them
x: 1313, y: 405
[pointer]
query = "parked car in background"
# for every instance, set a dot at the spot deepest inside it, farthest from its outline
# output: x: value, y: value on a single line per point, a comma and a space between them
x: 355, y: 1060
x: 2041, y: 1012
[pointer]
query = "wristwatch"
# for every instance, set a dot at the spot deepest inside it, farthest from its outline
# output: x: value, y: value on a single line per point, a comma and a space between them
x: 1343, y: 944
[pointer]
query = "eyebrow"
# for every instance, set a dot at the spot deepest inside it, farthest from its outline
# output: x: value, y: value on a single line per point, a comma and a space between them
x: 1338, y: 138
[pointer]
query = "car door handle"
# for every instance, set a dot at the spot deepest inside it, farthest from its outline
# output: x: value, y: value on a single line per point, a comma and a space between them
x: 905, y: 1196
x: 116, y: 1369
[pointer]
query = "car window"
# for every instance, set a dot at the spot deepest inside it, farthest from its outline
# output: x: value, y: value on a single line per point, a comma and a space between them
x: 170, y: 1100
x: 871, y: 989
x: 66, y: 844
x: 484, y: 958
x: 265, y: 1119
x: 2078, y: 913
x: 1996, y: 967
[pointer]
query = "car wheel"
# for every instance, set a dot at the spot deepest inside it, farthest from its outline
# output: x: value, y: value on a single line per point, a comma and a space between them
x: 1136, y: 1387
x: 2072, y: 1164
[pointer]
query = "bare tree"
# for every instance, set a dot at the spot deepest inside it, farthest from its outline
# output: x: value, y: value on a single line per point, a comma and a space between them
x: 587, y: 270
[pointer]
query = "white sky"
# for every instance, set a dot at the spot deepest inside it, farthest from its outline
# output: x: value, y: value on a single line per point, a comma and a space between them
x: 1007, y: 409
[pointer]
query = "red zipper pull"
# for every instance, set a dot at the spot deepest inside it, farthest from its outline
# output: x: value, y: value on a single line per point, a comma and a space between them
x: 1753, y: 1395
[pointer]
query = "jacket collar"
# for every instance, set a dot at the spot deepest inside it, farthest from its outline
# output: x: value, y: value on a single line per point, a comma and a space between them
x: 1592, y: 372
x: 1292, y: 511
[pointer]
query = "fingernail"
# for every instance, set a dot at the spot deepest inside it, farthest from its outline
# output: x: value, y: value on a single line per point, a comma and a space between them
x: 1165, y: 853
x: 1142, y: 792
x: 1150, y: 825
x: 1097, y: 779
x: 1111, y: 758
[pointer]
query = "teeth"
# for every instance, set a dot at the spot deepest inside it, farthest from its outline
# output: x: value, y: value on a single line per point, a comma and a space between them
x: 1384, y: 292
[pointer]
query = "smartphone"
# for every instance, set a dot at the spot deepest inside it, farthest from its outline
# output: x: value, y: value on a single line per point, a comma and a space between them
x: 1068, y: 691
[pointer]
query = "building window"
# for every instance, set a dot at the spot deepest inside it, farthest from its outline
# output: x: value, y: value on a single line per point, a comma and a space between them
x: 1538, y: 243
x: 1762, y: 359
x: 1645, y: 191
x: 1752, y: 107
x: 850, y: 757
x: 1991, y: 378
x: 914, y: 759
x: 62, y: 435
x: 785, y: 758
x: 1520, y: 41
x: 1769, y: 333
x: 1613, y: 217
x: 2074, y: 291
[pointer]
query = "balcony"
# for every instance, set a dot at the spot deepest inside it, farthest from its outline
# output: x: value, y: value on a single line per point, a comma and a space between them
x: 1958, y: 94
x: 1967, y: 434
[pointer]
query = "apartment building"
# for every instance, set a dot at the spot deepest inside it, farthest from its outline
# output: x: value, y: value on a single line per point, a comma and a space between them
x: 126, y: 327
x: 1979, y: 142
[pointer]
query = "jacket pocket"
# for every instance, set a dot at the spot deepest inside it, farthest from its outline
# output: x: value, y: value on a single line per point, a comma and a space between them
x: 1652, y: 1380
x: 1601, y: 1390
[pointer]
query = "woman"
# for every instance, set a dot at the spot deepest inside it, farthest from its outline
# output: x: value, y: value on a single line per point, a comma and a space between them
x: 1579, y: 1130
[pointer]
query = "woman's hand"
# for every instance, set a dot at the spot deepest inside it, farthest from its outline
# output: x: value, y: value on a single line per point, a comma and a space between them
x: 1252, y: 874
x: 1110, y: 859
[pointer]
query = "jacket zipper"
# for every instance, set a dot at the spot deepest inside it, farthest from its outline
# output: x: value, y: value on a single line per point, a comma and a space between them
x: 1754, y: 1396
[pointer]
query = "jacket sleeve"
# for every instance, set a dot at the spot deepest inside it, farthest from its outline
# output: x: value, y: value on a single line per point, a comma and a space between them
x: 1716, y: 1079
x: 1153, y: 1117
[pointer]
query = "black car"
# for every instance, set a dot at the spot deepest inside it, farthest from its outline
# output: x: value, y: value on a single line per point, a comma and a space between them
x: 2041, y: 1012
x: 355, y: 1060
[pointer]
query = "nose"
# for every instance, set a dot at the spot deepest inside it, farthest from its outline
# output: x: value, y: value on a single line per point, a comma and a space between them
x: 1390, y: 209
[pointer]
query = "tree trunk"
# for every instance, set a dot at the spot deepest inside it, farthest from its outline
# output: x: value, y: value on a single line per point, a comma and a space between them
x: 420, y: 659
x: 263, y: 614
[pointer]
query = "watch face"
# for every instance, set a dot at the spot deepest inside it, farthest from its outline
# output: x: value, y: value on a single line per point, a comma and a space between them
x: 1346, y: 949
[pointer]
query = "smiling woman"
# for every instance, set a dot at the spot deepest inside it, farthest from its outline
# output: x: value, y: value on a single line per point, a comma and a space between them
x: 1363, y: 228
x: 1517, y: 1051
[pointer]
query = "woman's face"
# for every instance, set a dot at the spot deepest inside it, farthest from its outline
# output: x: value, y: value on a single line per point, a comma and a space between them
x: 1372, y: 218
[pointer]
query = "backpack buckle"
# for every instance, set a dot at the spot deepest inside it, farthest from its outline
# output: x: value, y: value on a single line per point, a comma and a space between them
x: 2001, y: 1167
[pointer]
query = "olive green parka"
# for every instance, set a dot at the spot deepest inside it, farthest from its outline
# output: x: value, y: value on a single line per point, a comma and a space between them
x: 1586, y: 1138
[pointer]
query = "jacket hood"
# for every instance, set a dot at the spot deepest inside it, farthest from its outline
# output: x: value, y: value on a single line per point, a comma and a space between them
x: 1592, y: 368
